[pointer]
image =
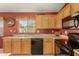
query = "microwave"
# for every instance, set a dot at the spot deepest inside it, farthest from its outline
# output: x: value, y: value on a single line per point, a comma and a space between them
x: 71, y: 22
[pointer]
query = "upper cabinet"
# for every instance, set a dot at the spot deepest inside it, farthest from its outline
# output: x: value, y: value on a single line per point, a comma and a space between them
x: 39, y: 21
x: 51, y: 21
x: 74, y: 7
x: 45, y: 21
x: 58, y: 21
x: 66, y: 11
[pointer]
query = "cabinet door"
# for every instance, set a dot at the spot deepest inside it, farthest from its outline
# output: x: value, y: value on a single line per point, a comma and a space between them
x: 57, y: 50
x: 38, y: 21
x: 58, y: 22
x: 66, y: 11
x: 26, y: 46
x: 7, y: 45
x: 74, y: 7
x: 48, y: 47
x: 45, y: 19
x: 16, y: 46
x: 51, y: 21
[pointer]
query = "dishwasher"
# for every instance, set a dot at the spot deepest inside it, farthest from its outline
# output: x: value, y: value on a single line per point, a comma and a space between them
x: 37, y: 46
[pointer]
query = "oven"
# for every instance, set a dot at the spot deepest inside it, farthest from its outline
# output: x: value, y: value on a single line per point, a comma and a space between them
x: 65, y: 50
x: 73, y: 43
x: 74, y: 40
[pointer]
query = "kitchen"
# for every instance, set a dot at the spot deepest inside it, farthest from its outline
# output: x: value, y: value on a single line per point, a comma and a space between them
x: 39, y: 29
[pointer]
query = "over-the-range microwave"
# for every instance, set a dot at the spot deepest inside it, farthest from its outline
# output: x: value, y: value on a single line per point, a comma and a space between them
x: 71, y: 22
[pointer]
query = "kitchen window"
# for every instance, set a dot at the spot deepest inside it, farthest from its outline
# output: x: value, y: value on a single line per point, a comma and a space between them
x: 26, y: 25
x: 1, y: 26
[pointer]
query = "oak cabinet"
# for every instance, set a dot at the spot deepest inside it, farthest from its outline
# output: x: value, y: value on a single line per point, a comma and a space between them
x: 51, y: 21
x: 42, y: 21
x: 48, y: 46
x: 39, y: 21
x: 16, y: 46
x: 66, y: 11
x: 58, y: 21
x: 7, y: 45
x: 45, y: 21
x: 74, y: 7
x: 26, y: 46
x: 57, y: 50
x: 22, y: 46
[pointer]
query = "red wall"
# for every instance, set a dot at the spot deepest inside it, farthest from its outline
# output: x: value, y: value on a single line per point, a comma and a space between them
x: 15, y: 27
x: 15, y: 15
x: 6, y: 28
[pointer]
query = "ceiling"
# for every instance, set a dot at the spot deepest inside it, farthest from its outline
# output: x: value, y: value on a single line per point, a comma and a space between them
x: 30, y: 7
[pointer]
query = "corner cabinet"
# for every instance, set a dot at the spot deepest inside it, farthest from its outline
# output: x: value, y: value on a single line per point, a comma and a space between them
x: 66, y: 11
x: 58, y: 21
x: 48, y: 46
x: 74, y: 7
x: 57, y: 50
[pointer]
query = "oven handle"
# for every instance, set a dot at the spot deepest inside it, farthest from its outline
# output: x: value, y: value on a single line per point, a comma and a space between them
x: 76, y: 25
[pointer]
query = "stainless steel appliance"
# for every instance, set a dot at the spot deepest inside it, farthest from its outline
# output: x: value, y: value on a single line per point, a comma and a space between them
x: 74, y: 40
x: 71, y: 22
x: 73, y: 43
x: 65, y: 50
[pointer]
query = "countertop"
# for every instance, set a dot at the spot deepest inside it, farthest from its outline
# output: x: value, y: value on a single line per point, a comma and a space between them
x: 38, y: 36
x: 76, y: 51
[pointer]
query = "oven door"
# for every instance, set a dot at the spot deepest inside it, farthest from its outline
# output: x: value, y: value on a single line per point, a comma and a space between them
x: 64, y: 50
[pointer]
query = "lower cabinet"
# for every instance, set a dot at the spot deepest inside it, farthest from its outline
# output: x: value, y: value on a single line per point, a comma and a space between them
x: 16, y: 46
x: 26, y: 46
x: 7, y: 45
x: 48, y: 46
x: 23, y: 46
x: 57, y: 50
